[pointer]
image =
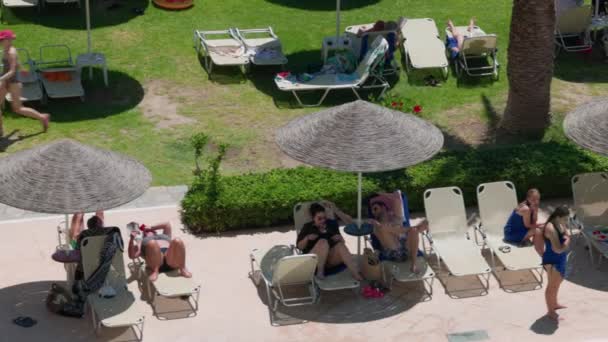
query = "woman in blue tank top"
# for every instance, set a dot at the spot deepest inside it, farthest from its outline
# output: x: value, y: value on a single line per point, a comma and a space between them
x: 555, y: 257
x: 521, y: 227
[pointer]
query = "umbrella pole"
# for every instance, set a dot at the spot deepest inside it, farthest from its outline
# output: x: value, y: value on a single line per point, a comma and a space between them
x: 338, y: 24
x: 88, y: 15
x: 359, y: 176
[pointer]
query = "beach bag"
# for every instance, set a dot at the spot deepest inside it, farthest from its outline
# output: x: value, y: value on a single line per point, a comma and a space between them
x: 60, y: 301
x: 371, y: 266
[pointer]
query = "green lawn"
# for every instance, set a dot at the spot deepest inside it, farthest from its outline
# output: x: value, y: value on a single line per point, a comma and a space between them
x: 154, y: 51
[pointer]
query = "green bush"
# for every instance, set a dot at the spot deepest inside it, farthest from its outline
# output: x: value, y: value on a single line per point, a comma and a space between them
x: 265, y: 199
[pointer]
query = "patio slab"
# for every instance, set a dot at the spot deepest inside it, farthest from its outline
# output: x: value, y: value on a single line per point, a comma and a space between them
x: 232, y: 308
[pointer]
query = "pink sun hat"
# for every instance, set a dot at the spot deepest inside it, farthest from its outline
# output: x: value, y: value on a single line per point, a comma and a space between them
x: 7, y: 34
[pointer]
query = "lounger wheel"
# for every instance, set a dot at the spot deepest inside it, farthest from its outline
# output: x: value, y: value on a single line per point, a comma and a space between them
x: 495, y: 75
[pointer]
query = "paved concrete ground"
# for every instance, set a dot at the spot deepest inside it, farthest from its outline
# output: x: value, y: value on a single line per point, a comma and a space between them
x: 233, y: 308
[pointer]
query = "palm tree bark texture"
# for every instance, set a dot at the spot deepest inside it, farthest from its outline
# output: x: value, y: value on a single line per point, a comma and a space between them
x: 530, y: 67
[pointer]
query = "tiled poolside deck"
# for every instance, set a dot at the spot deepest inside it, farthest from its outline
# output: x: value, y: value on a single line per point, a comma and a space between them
x: 233, y: 309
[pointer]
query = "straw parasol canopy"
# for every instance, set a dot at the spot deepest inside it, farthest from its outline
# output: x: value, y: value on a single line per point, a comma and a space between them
x: 66, y: 177
x: 360, y: 137
x: 587, y: 125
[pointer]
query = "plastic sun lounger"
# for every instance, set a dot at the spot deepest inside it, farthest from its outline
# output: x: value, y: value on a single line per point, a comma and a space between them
x: 170, y: 285
x: 400, y: 271
x: 281, y: 269
x: 225, y: 51
x: 65, y: 88
x: 256, y: 47
x: 573, y: 23
x: 120, y: 310
x: 422, y: 47
x: 450, y: 240
x: 590, y: 192
x: 43, y: 2
x: 366, y: 76
x: 31, y: 86
x: 496, y: 202
x: 480, y: 47
x: 340, y: 281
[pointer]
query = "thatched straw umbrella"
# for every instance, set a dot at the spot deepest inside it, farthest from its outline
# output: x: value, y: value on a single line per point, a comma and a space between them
x: 360, y: 137
x: 65, y: 177
x: 587, y: 125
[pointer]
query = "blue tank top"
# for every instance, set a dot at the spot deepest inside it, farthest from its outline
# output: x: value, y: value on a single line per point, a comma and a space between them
x: 559, y: 260
x: 515, y: 230
x: 550, y: 257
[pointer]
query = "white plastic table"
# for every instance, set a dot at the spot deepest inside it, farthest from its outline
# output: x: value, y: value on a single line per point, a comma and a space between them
x: 93, y: 59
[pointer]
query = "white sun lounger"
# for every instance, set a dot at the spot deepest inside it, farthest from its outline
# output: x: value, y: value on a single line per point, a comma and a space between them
x: 120, y: 310
x: 478, y: 56
x: 18, y: 4
x: 30, y: 81
x: 60, y: 89
x: 77, y: 2
x: 340, y: 281
x: 366, y: 76
x: 170, y: 285
x: 422, y: 47
x: 590, y: 192
x: 221, y: 48
x: 496, y: 202
x: 450, y: 239
x: 573, y: 23
x: 266, y: 50
x: 282, y: 270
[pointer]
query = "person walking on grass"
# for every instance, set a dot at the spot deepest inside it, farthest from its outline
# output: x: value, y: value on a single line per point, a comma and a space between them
x: 10, y: 84
x: 557, y: 243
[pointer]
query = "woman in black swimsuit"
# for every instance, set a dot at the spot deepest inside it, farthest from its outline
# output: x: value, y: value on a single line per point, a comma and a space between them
x: 322, y: 237
x: 10, y: 84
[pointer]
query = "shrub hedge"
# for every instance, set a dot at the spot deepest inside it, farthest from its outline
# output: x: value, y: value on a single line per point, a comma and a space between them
x: 265, y: 199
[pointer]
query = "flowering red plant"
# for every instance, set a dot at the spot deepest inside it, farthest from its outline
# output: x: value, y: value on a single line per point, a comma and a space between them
x: 417, y: 109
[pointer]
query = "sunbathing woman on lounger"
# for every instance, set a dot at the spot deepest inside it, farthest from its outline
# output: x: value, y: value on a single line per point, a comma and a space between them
x: 455, y: 42
x: 521, y: 228
x: 322, y: 237
x: 398, y: 243
x: 161, y: 252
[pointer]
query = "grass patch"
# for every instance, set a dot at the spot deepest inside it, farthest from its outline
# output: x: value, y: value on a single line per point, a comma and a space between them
x: 157, y: 47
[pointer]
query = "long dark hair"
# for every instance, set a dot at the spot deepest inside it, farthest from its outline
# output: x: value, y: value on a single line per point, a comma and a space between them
x: 560, y: 211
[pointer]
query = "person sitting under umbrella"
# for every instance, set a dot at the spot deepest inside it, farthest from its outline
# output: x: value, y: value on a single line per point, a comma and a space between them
x: 322, y: 237
x: 76, y: 228
x: 161, y: 252
x: 398, y: 243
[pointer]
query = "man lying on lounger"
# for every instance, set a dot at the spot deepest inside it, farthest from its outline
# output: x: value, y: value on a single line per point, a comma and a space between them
x: 398, y: 243
x: 161, y: 252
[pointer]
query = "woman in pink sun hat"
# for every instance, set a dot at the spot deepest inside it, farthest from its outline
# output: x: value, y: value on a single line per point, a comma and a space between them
x: 10, y: 84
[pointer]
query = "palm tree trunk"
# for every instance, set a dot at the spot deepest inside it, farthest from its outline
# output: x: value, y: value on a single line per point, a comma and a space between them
x: 530, y: 67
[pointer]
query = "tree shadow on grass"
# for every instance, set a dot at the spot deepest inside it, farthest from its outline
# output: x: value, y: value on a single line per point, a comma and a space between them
x: 70, y: 16
x: 324, y: 5
x: 124, y: 93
